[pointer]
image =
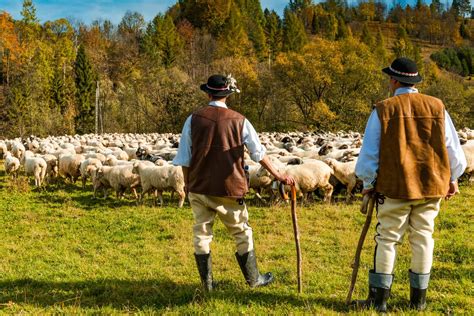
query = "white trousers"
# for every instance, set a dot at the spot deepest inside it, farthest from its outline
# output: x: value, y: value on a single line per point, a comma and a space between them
x: 395, y: 217
x: 234, y: 216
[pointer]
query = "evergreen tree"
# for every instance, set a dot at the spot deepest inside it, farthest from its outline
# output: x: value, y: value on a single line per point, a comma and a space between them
x: 380, y: 50
x: 436, y: 7
x: 342, y: 30
x: 403, y: 46
x: 29, y: 24
x: 366, y: 37
x: 85, y: 92
x: 254, y: 21
x: 233, y: 40
x: 162, y: 41
x: 273, y: 31
x: 294, y: 34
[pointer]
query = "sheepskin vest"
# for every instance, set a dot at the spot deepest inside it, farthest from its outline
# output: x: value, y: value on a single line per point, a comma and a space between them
x: 414, y: 161
x: 217, y: 153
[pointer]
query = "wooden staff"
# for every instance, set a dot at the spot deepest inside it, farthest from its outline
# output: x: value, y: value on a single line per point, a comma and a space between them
x: 366, y: 208
x: 295, y: 231
x: 297, y: 238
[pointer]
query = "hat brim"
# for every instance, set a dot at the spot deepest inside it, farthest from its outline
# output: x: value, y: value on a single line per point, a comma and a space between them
x: 403, y: 79
x: 217, y: 93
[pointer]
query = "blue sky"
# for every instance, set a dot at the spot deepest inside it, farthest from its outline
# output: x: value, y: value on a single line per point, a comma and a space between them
x: 89, y: 10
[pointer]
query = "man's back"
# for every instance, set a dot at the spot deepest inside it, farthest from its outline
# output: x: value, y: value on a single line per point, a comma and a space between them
x: 414, y: 162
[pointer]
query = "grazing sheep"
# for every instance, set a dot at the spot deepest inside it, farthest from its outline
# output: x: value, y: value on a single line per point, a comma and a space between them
x: 468, y: 149
x: 12, y: 164
x: 309, y: 176
x: 3, y: 148
x: 70, y: 166
x: 160, y: 179
x: 34, y: 166
x: 87, y: 167
x: 52, y: 169
x: 345, y: 173
x: 119, y: 178
x: 18, y: 150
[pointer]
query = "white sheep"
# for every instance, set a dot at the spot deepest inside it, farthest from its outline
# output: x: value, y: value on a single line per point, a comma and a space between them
x: 119, y: 178
x: 18, y: 150
x: 52, y: 169
x: 12, y: 164
x: 87, y: 167
x: 160, y: 179
x: 34, y: 166
x: 345, y: 173
x: 70, y: 166
x: 309, y: 176
x: 468, y: 149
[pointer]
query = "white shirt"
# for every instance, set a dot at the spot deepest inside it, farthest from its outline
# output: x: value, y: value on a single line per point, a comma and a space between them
x: 249, y: 136
x: 368, y: 162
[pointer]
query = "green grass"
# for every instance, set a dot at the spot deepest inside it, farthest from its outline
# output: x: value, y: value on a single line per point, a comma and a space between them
x: 64, y: 252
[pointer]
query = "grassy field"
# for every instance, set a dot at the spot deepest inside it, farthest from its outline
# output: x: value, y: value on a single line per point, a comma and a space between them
x: 64, y: 252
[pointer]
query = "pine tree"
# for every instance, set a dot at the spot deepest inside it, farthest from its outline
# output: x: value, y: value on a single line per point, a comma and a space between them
x: 403, y: 46
x: 436, y: 7
x: 342, y: 30
x: 233, y: 40
x: 29, y: 24
x: 366, y: 37
x: 85, y: 92
x: 294, y: 34
x: 162, y: 41
x: 273, y: 31
x: 380, y: 50
x: 254, y: 21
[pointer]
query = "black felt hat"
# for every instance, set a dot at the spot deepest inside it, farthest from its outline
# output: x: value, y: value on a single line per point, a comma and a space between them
x: 403, y: 70
x: 220, y: 86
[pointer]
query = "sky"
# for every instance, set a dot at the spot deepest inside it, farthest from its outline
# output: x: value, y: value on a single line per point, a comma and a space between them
x: 90, y: 10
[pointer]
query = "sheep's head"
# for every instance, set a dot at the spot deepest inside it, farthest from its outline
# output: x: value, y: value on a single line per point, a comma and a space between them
x: 326, y: 149
x: 135, y: 167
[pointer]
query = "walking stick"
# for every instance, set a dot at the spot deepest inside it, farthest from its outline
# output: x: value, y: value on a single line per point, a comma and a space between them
x: 295, y: 231
x: 366, y: 208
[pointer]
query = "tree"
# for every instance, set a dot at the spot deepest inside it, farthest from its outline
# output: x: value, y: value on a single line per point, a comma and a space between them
x: 366, y: 37
x: 10, y: 49
x: 162, y: 41
x: 29, y: 26
x: 233, y: 40
x: 294, y: 34
x: 273, y: 32
x: 85, y: 92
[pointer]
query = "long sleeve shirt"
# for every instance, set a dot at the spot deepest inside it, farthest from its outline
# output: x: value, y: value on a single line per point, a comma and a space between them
x: 368, y: 161
x: 249, y: 136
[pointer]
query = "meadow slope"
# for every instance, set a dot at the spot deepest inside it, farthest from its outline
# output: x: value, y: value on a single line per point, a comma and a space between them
x: 64, y: 252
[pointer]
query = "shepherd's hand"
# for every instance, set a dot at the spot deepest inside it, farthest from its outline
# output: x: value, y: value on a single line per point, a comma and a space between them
x: 453, y: 190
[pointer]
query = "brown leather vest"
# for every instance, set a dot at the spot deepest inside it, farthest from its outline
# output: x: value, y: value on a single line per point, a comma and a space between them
x: 217, y: 153
x: 414, y: 161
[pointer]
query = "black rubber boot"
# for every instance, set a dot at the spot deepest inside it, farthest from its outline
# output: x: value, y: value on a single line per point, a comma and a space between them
x: 248, y: 265
x: 418, y: 287
x: 379, y: 292
x: 204, y: 265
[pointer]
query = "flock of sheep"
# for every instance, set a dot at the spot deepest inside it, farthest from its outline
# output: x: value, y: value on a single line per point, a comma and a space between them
x: 121, y: 162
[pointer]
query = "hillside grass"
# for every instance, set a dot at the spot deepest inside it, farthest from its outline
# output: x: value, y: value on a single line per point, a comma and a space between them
x: 65, y: 252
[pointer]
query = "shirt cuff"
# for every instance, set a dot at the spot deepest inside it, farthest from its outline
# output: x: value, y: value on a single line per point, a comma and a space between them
x: 178, y: 162
x: 368, y: 185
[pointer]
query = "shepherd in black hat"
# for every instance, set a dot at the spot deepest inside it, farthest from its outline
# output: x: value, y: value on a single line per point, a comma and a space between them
x: 211, y: 153
x: 410, y: 159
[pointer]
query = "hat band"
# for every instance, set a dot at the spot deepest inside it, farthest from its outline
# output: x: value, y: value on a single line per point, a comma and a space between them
x: 409, y: 74
x: 219, y: 89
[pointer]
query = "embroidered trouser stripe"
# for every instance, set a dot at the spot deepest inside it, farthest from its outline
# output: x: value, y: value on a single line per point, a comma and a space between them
x: 232, y: 214
x: 395, y: 217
